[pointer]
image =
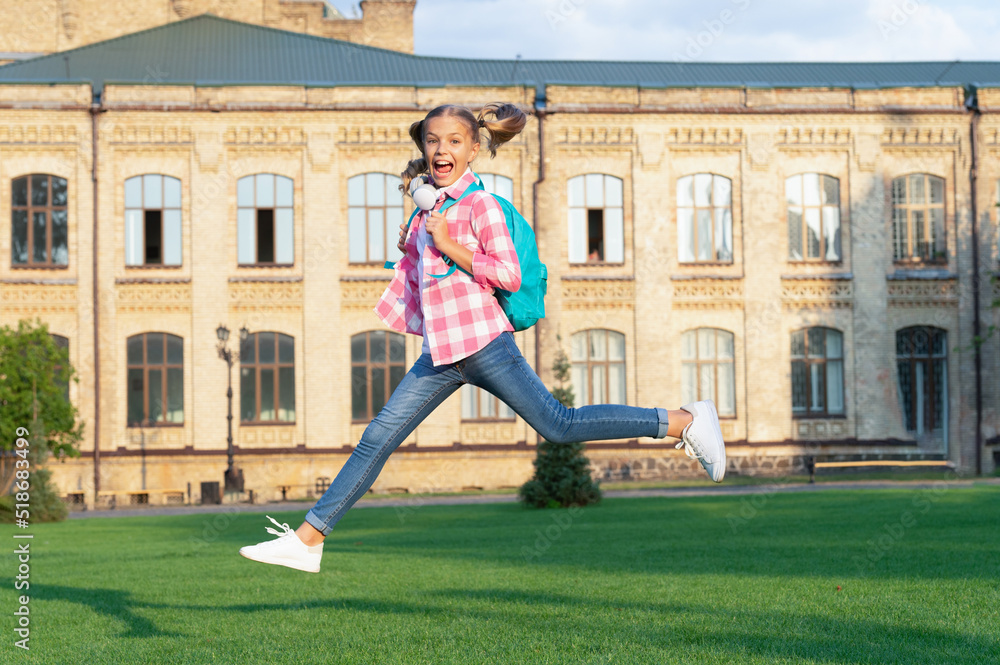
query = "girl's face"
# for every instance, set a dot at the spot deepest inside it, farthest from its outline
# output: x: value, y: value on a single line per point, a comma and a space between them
x: 448, y: 149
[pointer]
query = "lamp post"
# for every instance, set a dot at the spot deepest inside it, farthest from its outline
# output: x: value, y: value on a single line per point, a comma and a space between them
x: 234, y: 477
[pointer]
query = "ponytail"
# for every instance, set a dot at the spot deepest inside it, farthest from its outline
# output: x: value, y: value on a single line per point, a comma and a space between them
x: 507, y: 122
x: 415, y: 168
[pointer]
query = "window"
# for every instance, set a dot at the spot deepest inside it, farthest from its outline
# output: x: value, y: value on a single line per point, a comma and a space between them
x: 813, y: 217
x: 596, y: 219
x: 918, y: 218
x: 377, y: 367
x: 375, y: 211
x: 704, y: 218
x: 265, y: 220
x: 921, y: 359
x: 598, y: 359
x: 500, y: 185
x: 152, y: 221
x: 478, y: 404
x: 39, y: 231
x: 707, y: 369
x: 267, y: 378
x: 155, y: 379
x: 63, y: 344
x: 817, y: 372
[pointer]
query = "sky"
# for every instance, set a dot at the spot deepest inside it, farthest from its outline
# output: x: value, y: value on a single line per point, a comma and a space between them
x: 709, y: 30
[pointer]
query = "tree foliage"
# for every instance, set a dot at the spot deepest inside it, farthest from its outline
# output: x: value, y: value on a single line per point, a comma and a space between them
x: 34, y: 378
x: 562, y: 470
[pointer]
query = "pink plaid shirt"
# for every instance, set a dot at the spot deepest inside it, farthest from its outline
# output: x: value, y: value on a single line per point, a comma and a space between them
x: 460, y: 312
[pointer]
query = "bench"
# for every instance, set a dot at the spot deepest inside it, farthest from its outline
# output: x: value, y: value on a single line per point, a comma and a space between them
x: 831, y: 462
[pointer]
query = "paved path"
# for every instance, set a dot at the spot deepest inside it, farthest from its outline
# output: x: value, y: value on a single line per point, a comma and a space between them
x: 464, y: 499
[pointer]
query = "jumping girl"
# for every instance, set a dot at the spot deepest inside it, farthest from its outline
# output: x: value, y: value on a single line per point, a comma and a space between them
x: 466, y: 335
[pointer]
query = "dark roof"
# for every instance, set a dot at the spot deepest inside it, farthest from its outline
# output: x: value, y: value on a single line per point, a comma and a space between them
x: 208, y: 50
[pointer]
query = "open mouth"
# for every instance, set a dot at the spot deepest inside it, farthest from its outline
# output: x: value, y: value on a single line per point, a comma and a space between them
x: 443, y: 169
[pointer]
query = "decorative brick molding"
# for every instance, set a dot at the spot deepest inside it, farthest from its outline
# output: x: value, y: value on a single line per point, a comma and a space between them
x: 29, y: 299
x: 814, y: 136
x: 138, y: 297
x: 368, y: 134
x: 923, y: 293
x: 361, y: 296
x: 697, y: 136
x: 152, y: 134
x: 600, y: 295
x: 264, y: 135
x: 595, y: 136
x: 479, y: 433
x: 52, y: 134
x: 265, y: 296
x: 707, y: 293
x: 921, y: 136
x: 266, y: 435
x: 824, y: 293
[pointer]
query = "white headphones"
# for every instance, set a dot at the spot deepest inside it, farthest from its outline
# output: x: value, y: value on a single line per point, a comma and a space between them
x: 423, y: 193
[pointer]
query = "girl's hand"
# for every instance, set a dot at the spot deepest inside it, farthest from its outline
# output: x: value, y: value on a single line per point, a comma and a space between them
x: 437, y: 227
x: 402, y: 238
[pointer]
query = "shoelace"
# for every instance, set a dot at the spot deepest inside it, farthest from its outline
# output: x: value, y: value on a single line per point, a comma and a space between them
x: 275, y: 532
x: 689, y: 449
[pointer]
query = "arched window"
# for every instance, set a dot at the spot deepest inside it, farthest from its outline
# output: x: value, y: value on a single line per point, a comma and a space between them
x: 500, y: 185
x: 817, y: 372
x: 155, y: 379
x: 704, y: 218
x: 918, y: 218
x: 813, y: 217
x: 707, y: 369
x: 596, y: 219
x: 598, y: 367
x: 479, y: 404
x: 63, y: 344
x: 265, y: 221
x: 922, y: 364
x: 39, y: 228
x: 374, y: 213
x: 267, y: 378
x: 378, y: 364
x: 152, y: 221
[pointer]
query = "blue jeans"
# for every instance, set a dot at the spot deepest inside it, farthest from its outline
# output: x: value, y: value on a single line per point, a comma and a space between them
x: 498, y: 368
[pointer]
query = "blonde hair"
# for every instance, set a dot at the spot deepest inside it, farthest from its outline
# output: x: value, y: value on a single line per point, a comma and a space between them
x: 501, y: 121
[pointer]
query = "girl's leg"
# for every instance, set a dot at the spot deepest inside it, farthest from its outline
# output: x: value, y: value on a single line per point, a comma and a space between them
x: 422, y: 389
x: 502, y: 370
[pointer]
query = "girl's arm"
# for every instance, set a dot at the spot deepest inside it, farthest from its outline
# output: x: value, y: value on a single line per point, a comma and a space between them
x: 496, y: 265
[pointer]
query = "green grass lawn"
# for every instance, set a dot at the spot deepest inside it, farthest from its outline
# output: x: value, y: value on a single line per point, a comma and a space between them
x: 724, y: 579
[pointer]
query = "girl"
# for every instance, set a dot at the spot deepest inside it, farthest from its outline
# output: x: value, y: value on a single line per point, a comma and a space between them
x: 466, y: 336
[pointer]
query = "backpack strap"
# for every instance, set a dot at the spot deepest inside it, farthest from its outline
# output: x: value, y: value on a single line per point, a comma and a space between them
x: 476, y: 186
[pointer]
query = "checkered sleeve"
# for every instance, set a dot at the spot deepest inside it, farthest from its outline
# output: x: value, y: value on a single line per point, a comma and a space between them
x: 496, y: 265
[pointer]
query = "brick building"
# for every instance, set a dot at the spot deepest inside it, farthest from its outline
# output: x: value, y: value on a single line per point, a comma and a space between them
x: 811, y: 245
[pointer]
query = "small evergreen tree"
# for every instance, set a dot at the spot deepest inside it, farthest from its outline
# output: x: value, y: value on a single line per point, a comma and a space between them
x: 34, y: 375
x: 562, y: 471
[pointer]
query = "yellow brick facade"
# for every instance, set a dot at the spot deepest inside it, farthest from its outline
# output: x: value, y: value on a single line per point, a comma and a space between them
x: 648, y: 139
x: 46, y: 26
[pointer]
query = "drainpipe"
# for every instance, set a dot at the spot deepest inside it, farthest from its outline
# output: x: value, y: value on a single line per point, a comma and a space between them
x: 974, y: 155
x: 95, y: 110
x: 540, y: 114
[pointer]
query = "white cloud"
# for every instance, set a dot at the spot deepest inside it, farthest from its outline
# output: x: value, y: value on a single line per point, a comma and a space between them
x: 713, y: 30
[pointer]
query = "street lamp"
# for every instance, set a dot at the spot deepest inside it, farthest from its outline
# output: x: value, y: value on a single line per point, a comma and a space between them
x: 234, y: 476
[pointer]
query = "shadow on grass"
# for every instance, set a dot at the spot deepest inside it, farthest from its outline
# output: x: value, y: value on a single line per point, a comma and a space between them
x: 112, y: 603
x: 770, y: 633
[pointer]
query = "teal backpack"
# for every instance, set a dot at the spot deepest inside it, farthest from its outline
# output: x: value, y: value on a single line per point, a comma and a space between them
x: 525, y: 306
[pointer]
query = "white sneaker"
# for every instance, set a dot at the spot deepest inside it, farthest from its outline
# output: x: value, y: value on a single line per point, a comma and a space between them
x: 288, y: 550
x: 702, y: 439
